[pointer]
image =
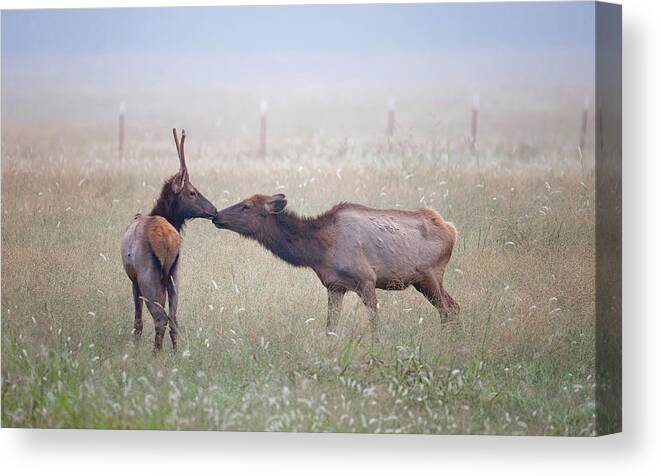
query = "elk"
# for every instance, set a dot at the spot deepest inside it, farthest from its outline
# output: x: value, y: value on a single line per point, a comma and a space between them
x: 151, y: 245
x: 354, y: 248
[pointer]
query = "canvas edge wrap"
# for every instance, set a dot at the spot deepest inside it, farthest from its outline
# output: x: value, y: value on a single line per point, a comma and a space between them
x: 608, y: 227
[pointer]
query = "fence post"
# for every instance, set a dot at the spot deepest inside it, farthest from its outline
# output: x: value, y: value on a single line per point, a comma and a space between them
x: 263, y: 108
x: 120, y: 146
x: 584, y: 124
x: 474, y: 120
x: 391, y: 117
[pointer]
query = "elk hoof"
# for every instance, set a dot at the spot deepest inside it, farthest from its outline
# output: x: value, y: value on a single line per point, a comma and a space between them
x: 449, y: 320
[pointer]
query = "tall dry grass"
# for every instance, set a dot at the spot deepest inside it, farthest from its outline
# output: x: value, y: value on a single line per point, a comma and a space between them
x: 253, y: 353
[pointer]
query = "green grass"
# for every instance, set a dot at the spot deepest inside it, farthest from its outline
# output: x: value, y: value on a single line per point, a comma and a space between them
x: 253, y: 351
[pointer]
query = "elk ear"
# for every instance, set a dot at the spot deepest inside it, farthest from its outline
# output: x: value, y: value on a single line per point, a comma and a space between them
x: 276, y: 204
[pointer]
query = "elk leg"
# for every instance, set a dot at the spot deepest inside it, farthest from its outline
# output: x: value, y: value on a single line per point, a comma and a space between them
x: 368, y: 295
x: 335, y: 298
x: 450, y: 304
x: 453, y: 307
x: 160, y: 322
x: 173, y: 283
x: 137, y: 304
x: 154, y: 293
x: 430, y: 289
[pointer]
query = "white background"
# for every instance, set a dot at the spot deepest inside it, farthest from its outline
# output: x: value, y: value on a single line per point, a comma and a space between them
x: 635, y: 451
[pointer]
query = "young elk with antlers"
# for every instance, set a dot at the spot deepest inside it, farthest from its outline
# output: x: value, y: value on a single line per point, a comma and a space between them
x: 150, y: 248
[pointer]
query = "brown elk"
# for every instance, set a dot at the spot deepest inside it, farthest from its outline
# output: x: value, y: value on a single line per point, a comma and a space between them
x: 151, y: 244
x: 354, y: 248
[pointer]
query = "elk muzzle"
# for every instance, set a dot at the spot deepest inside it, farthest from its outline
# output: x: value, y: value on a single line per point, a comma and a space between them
x: 218, y: 220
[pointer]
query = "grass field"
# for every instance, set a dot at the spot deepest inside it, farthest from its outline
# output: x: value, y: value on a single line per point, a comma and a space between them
x: 253, y: 350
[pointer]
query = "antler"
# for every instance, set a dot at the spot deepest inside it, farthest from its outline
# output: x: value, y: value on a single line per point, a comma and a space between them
x: 182, y: 158
x: 183, y: 171
x: 176, y: 142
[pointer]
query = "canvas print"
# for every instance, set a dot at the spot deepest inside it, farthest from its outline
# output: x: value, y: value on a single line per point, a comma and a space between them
x: 349, y: 218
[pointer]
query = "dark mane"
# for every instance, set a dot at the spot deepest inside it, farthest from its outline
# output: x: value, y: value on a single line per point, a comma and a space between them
x: 300, y: 240
x: 301, y: 225
x: 165, y: 205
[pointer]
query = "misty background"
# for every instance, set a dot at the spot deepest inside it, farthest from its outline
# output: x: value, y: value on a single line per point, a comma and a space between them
x: 324, y: 71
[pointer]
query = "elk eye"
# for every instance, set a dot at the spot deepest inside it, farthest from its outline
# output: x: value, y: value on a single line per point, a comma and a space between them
x: 192, y: 194
x: 245, y: 207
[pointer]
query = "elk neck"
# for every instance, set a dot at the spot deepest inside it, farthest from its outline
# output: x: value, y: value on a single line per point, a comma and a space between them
x: 299, y: 241
x: 166, y: 206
